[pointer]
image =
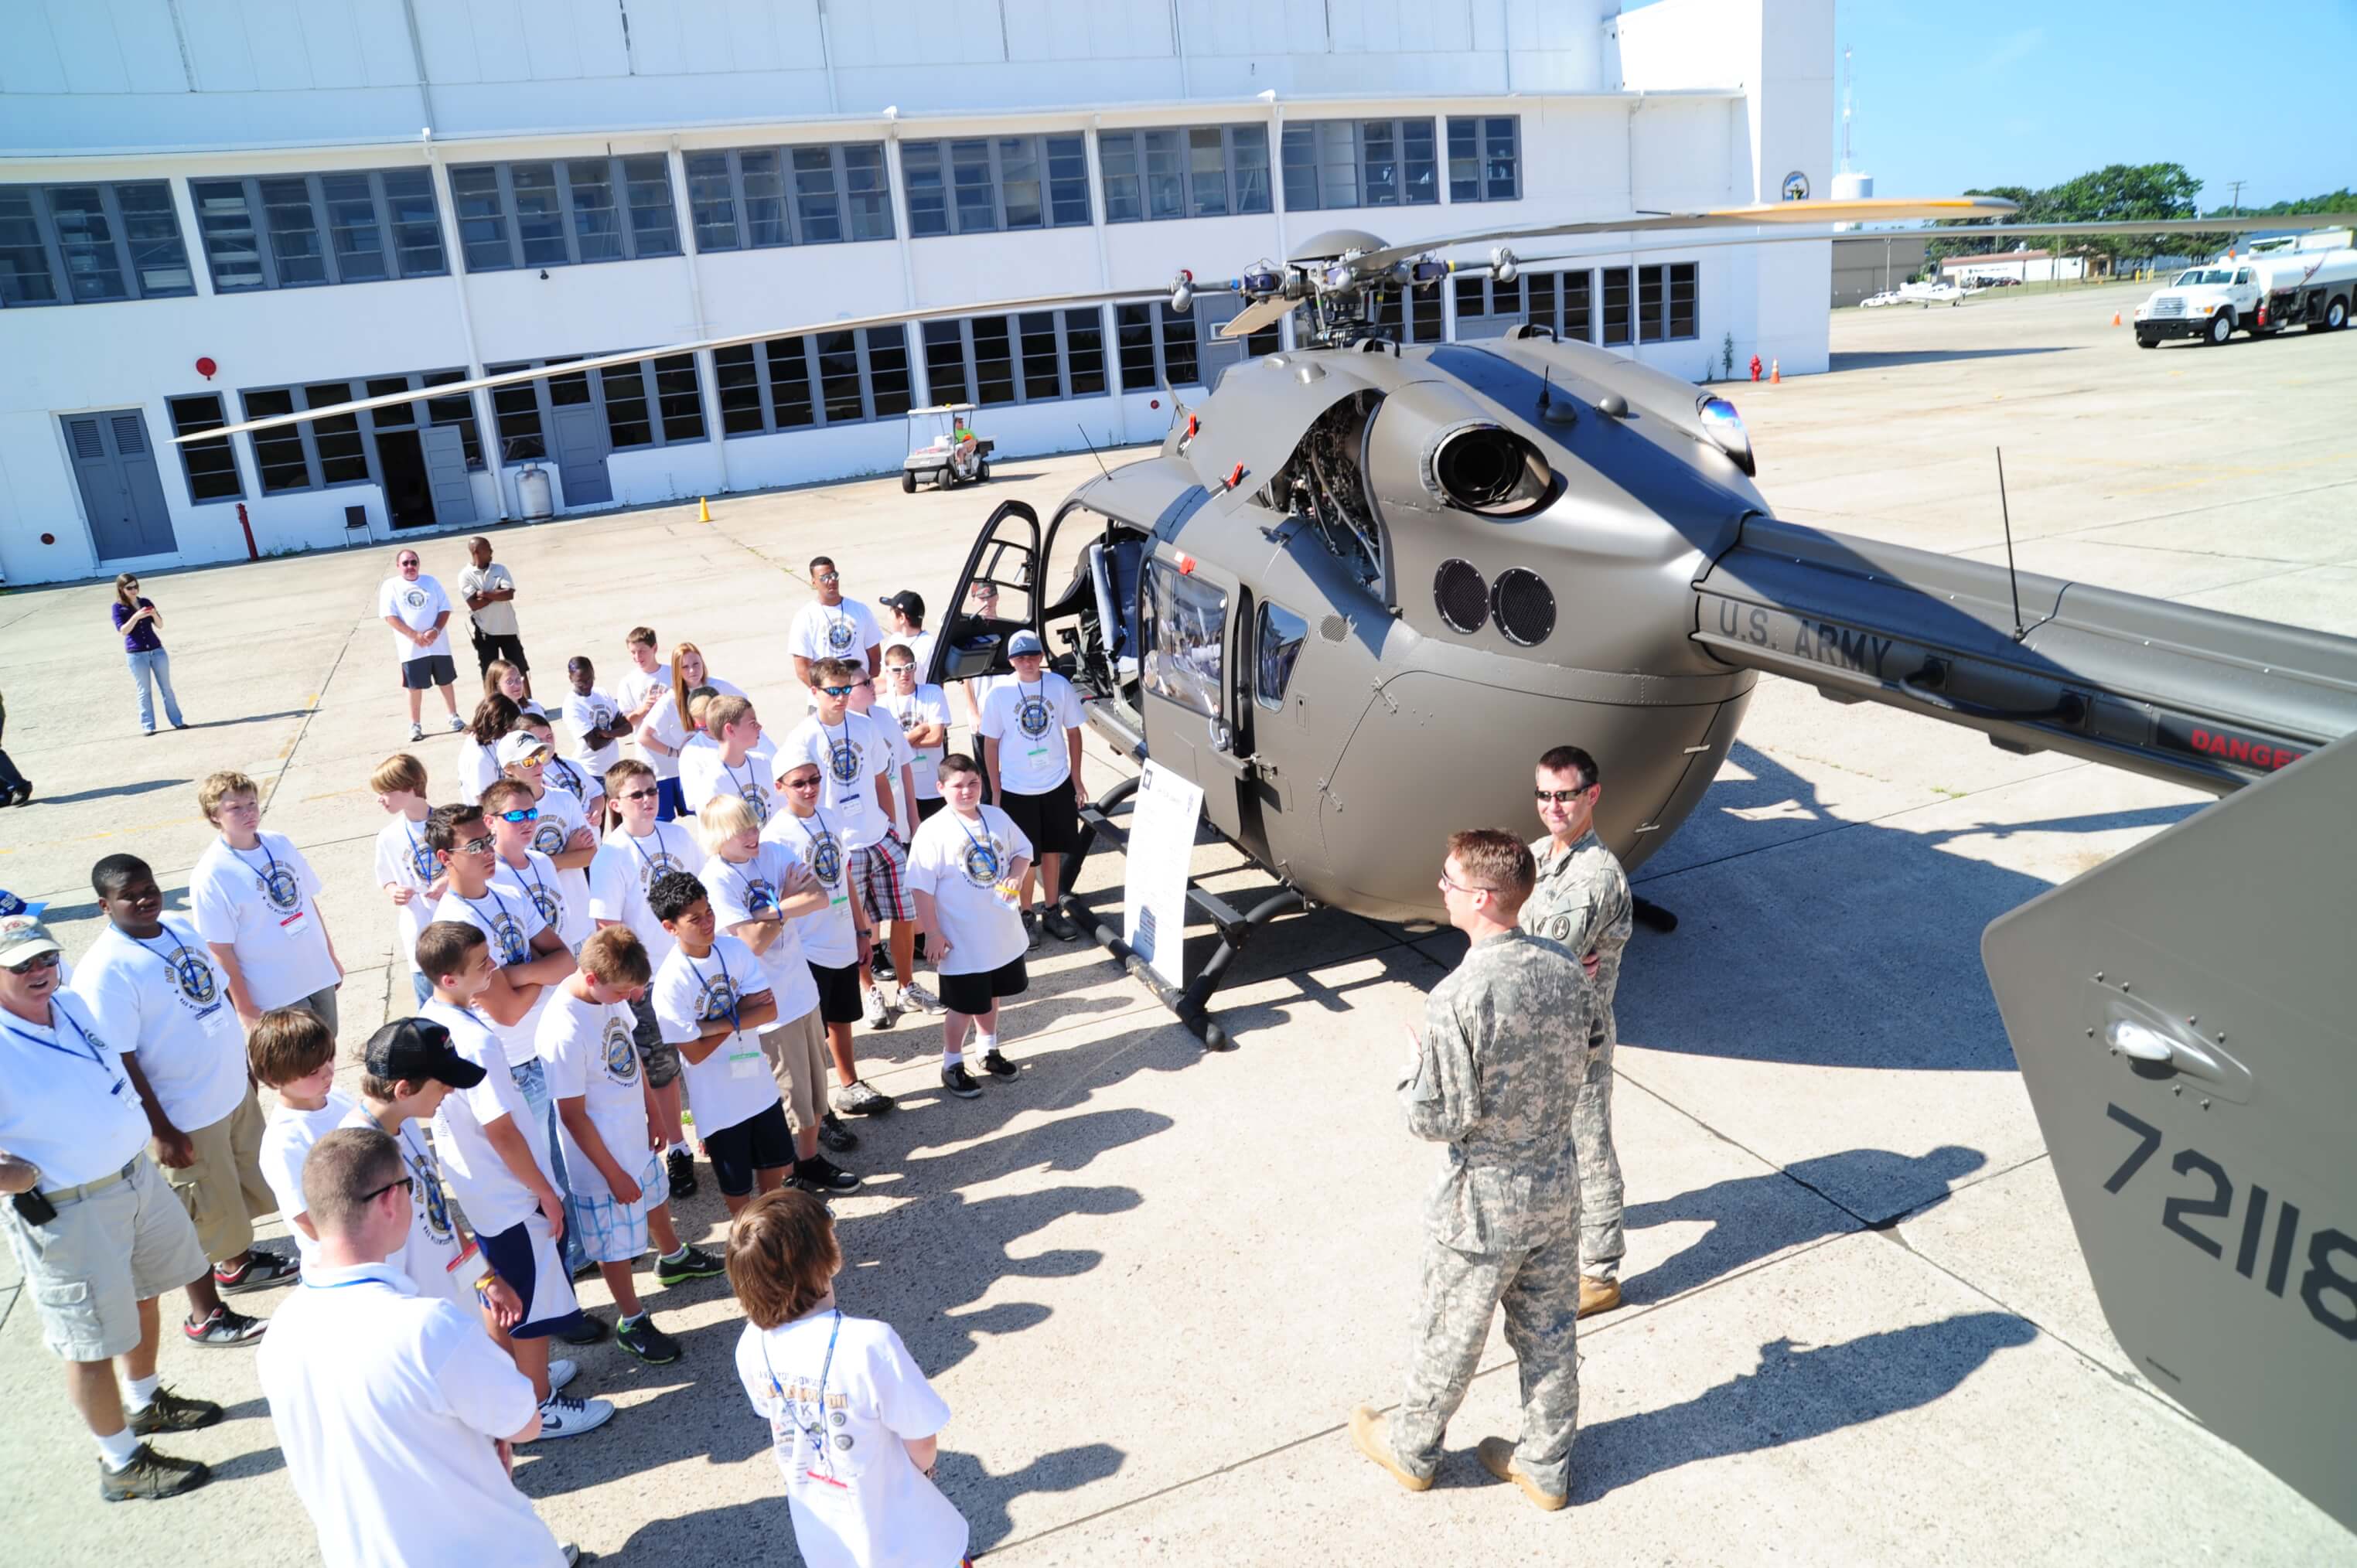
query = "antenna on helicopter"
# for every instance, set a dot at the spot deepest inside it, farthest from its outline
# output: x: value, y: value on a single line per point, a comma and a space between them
x: 1093, y: 450
x: 2013, y: 577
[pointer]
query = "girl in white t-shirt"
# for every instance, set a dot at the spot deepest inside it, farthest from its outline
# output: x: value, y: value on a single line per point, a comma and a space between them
x: 854, y: 1423
x: 504, y: 679
x: 478, y: 763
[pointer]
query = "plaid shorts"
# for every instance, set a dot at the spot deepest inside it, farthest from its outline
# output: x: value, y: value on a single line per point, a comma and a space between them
x: 613, y: 1232
x: 880, y: 872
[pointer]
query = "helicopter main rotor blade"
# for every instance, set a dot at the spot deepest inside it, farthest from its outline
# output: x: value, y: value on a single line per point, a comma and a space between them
x: 1865, y: 209
x: 632, y: 356
x: 1965, y: 232
x: 1255, y: 315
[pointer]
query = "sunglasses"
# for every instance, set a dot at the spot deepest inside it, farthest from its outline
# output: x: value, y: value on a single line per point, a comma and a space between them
x: 38, y: 960
x: 828, y: 578
x: 898, y: 669
x: 409, y: 1183
x: 809, y: 783
x: 1558, y: 796
x: 641, y: 794
x: 529, y: 814
x: 838, y: 691
x: 483, y: 845
x: 1461, y: 887
x: 408, y: 561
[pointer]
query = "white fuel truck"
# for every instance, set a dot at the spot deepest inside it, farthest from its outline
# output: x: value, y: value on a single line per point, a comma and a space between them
x: 2260, y: 295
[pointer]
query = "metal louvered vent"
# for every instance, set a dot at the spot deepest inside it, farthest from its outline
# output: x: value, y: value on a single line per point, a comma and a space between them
x: 130, y: 436
x: 85, y: 438
x: 1462, y: 597
x: 1525, y: 606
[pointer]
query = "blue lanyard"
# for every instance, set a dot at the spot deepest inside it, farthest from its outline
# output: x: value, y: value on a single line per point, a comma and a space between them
x: 726, y: 978
x: 985, y: 841
x: 270, y: 879
x: 831, y: 744
x: 817, y: 1433
x: 755, y: 798
x: 538, y: 886
x: 571, y: 775
x: 56, y: 1011
x: 745, y: 884
x: 810, y: 841
x: 503, y: 903
x: 662, y: 847
x: 421, y: 859
x: 179, y: 973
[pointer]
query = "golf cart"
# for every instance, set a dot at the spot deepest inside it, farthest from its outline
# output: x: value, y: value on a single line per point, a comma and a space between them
x: 943, y: 448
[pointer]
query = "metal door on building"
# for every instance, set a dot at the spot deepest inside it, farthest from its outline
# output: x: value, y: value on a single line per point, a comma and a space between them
x: 582, y: 442
x: 120, y: 492
x: 445, y: 475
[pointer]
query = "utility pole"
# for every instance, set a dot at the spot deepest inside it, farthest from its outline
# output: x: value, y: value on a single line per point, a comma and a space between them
x: 2238, y: 185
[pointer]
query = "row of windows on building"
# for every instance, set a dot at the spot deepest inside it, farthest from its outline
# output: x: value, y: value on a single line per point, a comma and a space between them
x: 853, y: 377
x: 65, y: 244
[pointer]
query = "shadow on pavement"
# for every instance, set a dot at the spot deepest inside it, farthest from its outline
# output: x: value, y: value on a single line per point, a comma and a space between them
x: 144, y: 787
x: 1752, y: 1217
x: 1874, y: 361
x: 1795, y: 1394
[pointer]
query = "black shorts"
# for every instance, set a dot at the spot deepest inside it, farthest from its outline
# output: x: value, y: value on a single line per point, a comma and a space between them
x: 1051, y: 821
x: 925, y: 809
x: 490, y: 645
x: 428, y: 670
x: 528, y: 1259
x: 759, y: 1143
x: 838, y: 993
x: 974, y: 994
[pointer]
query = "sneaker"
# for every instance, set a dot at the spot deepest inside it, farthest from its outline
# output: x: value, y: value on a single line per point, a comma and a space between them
x: 863, y: 1099
x: 879, y: 1016
x: 641, y: 1338
x: 997, y: 1065
x: 1060, y: 925
x: 561, y: 1372
x: 417, y: 732
x: 879, y: 963
x: 170, y: 1413
x: 960, y: 1082
x: 591, y: 1331
x: 818, y: 1174
x: 562, y: 1417
x: 835, y: 1135
x: 1031, y: 937
x: 259, y: 1272
x: 679, y: 1167
x: 457, y: 724
x: 149, y: 1475
x: 223, y: 1327
x: 695, y: 1263
x: 916, y: 998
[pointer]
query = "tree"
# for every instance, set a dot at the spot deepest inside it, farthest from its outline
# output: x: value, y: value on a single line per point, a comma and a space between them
x: 2341, y: 201
x: 2021, y: 195
x: 2120, y: 191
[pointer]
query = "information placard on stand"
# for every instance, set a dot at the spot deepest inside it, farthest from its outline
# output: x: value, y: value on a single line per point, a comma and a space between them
x: 1161, y: 843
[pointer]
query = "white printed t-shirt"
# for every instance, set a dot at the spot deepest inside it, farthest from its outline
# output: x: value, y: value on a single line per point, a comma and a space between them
x: 259, y: 902
x: 739, y: 893
x: 857, y: 1499
x: 667, y: 728
x: 961, y: 863
x: 386, y: 1406
x: 704, y: 773
x: 508, y: 918
x: 566, y: 912
x: 593, y: 710
x: 850, y: 756
x: 830, y: 937
x: 925, y: 706
x: 588, y: 1047
x: 626, y: 867
x: 432, y: 1256
x: 561, y: 815
x: 404, y: 859
x: 163, y: 998
x: 478, y: 769
x: 1029, y: 723
x: 416, y: 605
x: 734, y: 1084
x: 490, y: 1193
x: 286, y: 1139
x: 846, y: 630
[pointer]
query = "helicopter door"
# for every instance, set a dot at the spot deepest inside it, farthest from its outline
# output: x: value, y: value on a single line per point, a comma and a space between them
x: 1188, y: 613
x: 996, y: 596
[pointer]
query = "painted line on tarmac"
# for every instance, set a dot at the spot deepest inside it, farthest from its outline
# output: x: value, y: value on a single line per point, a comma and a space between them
x: 311, y: 711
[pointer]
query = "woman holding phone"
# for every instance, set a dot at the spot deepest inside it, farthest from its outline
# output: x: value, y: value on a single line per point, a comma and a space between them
x: 142, y: 626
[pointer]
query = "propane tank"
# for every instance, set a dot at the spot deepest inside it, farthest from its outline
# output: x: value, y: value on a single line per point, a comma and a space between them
x: 532, y: 492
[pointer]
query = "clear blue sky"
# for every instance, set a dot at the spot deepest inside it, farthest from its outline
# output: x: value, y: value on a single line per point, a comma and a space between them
x: 1955, y: 96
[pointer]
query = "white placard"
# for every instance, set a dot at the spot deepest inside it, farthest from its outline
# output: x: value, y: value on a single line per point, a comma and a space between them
x: 1161, y: 843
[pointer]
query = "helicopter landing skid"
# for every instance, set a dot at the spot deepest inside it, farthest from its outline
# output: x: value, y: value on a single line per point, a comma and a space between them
x: 1190, y: 1002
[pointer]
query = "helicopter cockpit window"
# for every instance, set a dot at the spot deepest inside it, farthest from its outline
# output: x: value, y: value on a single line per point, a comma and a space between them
x: 1187, y: 623
x: 1281, y: 634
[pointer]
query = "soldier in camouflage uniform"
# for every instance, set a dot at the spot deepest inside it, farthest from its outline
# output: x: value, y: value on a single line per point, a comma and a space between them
x: 1582, y: 902
x: 1496, y: 1076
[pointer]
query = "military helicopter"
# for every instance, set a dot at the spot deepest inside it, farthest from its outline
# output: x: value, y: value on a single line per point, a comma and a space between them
x: 1362, y: 584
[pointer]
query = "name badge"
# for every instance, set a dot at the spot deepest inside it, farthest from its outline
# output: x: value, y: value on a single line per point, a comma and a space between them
x: 468, y: 1266
x: 851, y: 805
x: 297, y: 924
x: 743, y: 1063
x: 218, y: 1021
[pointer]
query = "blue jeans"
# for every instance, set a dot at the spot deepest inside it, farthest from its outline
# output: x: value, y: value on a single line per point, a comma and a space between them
x: 424, y: 988
x: 159, y: 665
x: 532, y: 1077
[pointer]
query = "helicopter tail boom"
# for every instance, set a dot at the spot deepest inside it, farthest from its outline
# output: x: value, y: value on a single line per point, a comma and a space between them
x: 2195, y: 696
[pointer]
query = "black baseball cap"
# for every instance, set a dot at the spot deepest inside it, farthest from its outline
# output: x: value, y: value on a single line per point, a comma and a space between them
x: 417, y: 1049
x: 909, y: 602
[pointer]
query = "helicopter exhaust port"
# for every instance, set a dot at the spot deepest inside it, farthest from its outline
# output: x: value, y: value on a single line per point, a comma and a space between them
x: 1486, y: 468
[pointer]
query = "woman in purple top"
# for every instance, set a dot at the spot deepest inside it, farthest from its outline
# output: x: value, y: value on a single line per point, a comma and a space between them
x: 142, y: 626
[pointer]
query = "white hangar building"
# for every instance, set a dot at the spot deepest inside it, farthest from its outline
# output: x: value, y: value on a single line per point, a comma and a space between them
x: 214, y: 210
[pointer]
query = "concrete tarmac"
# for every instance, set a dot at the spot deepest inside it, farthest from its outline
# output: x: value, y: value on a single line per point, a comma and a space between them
x: 1151, y: 1282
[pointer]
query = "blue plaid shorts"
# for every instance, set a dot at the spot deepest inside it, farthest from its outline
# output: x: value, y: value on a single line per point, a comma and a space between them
x: 616, y: 1232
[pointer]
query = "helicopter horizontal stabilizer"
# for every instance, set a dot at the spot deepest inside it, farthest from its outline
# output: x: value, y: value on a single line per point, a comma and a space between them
x: 2181, y: 1020
x: 2195, y: 696
x: 1255, y: 316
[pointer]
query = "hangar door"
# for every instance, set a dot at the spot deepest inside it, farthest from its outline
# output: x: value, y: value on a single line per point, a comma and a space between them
x: 120, y: 492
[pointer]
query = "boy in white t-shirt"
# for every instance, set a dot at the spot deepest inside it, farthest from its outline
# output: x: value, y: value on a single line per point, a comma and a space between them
x: 598, y: 723
x: 835, y: 939
x: 562, y: 831
x: 516, y: 820
x: 722, y: 761
x: 405, y: 866
x: 860, y: 757
x: 1030, y: 731
x: 619, y: 1197
x: 255, y: 901
x: 558, y: 774
x: 831, y: 627
x: 966, y: 869
x: 646, y: 680
x: 291, y: 1053
x: 712, y: 1001
x: 502, y: 1174
x: 854, y: 1423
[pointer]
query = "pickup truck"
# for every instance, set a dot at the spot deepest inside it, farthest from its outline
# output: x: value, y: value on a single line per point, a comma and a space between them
x: 2258, y: 295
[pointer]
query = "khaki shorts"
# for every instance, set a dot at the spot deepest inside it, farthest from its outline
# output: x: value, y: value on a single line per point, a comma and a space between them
x: 798, y: 1057
x: 89, y: 1268
x: 224, y: 1190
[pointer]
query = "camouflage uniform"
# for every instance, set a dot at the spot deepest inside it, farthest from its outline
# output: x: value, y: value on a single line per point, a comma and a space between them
x: 1496, y: 1078
x: 1582, y: 901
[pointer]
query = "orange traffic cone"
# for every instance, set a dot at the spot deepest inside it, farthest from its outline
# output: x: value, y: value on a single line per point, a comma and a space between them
x: 1775, y: 373
x: 702, y: 509
x: 2115, y: 318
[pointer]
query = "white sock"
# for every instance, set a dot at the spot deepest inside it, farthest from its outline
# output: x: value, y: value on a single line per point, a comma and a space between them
x: 142, y: 1391
x: 676, y: 1257
x: 952, y: 1058
x: 984, y: 1042
x: 116, y: 1448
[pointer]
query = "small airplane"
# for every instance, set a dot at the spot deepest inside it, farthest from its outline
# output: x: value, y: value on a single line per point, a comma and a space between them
x: 1929, y: 294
